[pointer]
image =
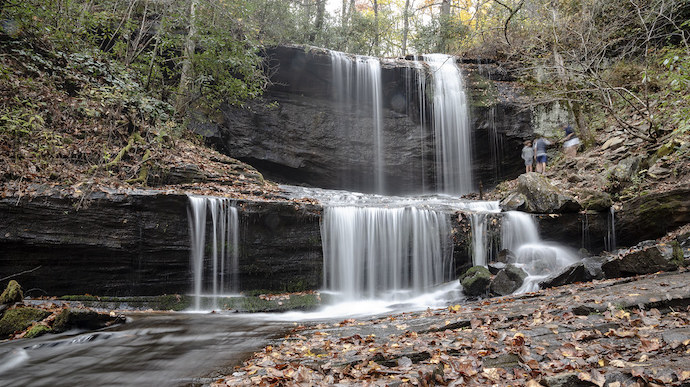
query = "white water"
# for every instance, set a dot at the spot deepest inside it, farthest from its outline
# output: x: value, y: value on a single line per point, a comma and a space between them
x: 387, y: 253
x: 357, y: 88
x: 215, y: 274
x: 538, y: 259
x: 451, y: 126
x: 610, y: 240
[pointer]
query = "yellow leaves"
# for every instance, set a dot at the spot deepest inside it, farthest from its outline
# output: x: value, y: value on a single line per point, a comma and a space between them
x: 620, y: 333
x: 454, y: 308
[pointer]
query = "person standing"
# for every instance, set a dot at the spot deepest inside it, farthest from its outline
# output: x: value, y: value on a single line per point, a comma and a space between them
x: 540, y: 153
x: 528, y: 155
x: 570, y: 142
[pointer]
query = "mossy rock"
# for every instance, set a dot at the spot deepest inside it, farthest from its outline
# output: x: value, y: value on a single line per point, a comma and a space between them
x: 595, y: 200
x: 12, y: 294
x: 37, y: 330
x: 18, y: 319
x: 81, y: 319
x: 475, y: 282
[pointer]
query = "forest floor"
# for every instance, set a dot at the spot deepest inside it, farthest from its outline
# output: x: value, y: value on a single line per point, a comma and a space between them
x: 615, y: 332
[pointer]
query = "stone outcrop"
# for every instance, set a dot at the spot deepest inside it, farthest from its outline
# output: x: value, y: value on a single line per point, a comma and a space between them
x: 536, y: 194
x: 587, y: 269
x: 643, y: 261
x: 122, y: 243
x: 297, y: 134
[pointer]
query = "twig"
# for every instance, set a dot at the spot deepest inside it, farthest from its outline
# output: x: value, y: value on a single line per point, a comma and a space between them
x: 18, y: 274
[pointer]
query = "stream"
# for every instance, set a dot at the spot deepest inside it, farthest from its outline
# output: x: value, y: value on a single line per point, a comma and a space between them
x: 172, y: 349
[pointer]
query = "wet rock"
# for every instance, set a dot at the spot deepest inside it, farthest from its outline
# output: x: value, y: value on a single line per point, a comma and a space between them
x: 543, y: 197
x: 82, y: 319
x: 12, y: 294
x: 475, y: 282
x: 586, y: 270
x: 505, y: 256
x: 37, y: 330
x: 18, y: 319
x: 495, y: 267
x: 507, y: 280
x: 645, y: 261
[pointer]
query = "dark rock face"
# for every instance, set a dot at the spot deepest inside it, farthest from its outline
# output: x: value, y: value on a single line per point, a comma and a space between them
x: 137, y: 243
x: 297, y: 134
x: 645, y: 261
x: 652, y: 215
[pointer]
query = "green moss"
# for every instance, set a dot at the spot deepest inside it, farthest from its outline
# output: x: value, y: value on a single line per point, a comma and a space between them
x: 173, y: 302
x: 19, y: 319
x: 475, y: 281
x: 677, y: 257
x: 37, y: 330
x: 13, y: 293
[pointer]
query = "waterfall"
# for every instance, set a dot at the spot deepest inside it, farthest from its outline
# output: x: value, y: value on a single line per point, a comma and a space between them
x: 357, y: 88
x: 215, y: 273
x: 451, y: 126
x: 378, y: 252
x: 610, y: 240
x: 537, y: 258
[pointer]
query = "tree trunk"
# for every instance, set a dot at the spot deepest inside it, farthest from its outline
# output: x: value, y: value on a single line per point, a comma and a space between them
x: 376, y: 28
x: 444, y: 19
x: 183, y: 91
x: 406, y: 26
x: 318, y: 24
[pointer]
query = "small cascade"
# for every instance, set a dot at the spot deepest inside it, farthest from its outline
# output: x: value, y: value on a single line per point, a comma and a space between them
x: 357, y: 89
x: 213, y: 274
x: 478, y: 222
x: 610, y: 240
x: 539, y: 259
x: 451, y: 126
x: 382, y: 252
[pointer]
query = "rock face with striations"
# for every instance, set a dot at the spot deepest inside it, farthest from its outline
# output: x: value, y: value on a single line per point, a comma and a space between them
x: 536, y: 194
x: 297, y: 133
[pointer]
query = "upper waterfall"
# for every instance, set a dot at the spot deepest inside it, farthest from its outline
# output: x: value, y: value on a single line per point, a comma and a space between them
x: 451, y: 126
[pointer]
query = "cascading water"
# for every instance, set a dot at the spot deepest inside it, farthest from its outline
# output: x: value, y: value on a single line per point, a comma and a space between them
x: 214, y: 274
x: 451, y: 126
x: 610, y: 240
x: 378, y: 252
x: 357, y: 88
x: 537, y: 258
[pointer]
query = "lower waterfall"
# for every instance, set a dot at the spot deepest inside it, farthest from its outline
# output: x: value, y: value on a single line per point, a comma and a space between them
x: 213, y: 274
x: 379, y: 252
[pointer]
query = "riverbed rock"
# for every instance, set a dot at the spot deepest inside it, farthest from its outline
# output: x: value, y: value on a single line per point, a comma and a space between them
x: 81, y: 318
x: 507, y: 280
x: 18, y: 319
x: 515, y: 201
x: 12, y: 293
x: 643, y: 261
x: 495, y: 267
x: 541, y: 196
x: 475, y: 282
x: 587, y: 269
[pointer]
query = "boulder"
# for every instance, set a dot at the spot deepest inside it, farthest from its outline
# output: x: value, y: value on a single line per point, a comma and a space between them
x: 507, y: 280
x: 586, y: 270
x: 541, y: 196
x: 81, y: 318
x: 625, y: 170
x: 13, y: 293
x: 15, y: 320
x: 515, y: 201
x: 495, y: 267
x: 475, y: 282
x: 644, y: 261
